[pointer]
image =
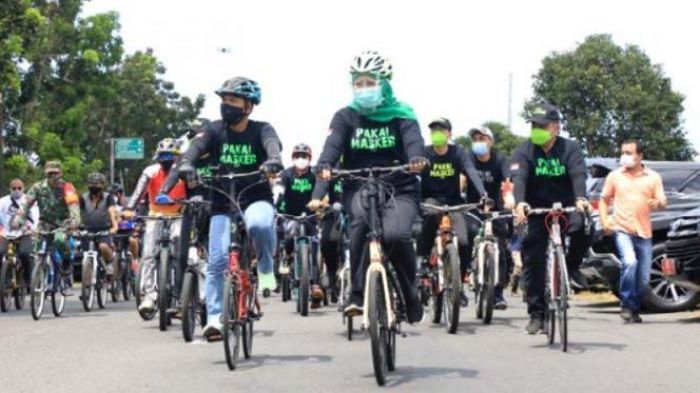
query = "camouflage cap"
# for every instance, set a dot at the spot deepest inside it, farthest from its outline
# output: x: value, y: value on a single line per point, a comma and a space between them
x: 52, y: 166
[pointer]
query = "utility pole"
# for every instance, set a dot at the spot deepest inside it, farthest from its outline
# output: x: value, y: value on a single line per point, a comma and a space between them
x: 111, y: 160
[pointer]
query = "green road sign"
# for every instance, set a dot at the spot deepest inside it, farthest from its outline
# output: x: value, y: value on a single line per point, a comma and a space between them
x: 128, y: 148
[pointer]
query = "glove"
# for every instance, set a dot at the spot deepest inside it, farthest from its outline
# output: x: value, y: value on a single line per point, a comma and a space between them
x: 582, y: 205
x: 185, y: 170
x: 164, y: 199
x: 271, y: 166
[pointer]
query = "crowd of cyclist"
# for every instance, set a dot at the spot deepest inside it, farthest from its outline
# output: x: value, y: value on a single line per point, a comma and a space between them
x: 375, y: 130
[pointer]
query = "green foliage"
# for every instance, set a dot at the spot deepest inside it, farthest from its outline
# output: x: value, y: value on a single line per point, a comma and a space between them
x: 609, y: 94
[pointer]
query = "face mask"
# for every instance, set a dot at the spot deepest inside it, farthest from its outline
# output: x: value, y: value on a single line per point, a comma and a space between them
x: 438, y: 138
x: 627, y: 161
x: 231, y: 115
x: 480, y: 148
x: 539, y: 136
x: 17, y: 194
x: 301, y: 163
x: 95, y: 190
x: 368, y: 97
x: 167, y: 165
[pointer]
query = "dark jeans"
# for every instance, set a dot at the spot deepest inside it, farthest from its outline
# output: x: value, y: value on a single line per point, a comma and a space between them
x: 397, y: 218
x: 534, y: 254
x: 330, y: 243
x: 431, y: 223
x: 23, y: 250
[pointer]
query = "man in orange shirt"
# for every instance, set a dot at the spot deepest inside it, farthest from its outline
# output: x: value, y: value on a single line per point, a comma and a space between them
x: 152, y: 178
x: 635, y: 191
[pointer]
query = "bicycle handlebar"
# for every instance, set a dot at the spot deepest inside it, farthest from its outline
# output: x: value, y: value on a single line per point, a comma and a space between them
x: 449, y: 209
x: 369, y: 171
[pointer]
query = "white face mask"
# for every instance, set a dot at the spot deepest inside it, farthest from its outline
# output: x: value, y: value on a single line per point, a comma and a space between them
x: 301, y: 163
x: 627, y: 161
x: 16, y: 195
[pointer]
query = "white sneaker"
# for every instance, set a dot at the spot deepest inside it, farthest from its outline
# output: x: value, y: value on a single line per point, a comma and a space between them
x: 212, y: 329
x: 147, y: 305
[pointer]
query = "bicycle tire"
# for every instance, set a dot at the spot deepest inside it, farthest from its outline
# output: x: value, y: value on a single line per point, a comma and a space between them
x: 286, y: 288
x: 101, y: 287
x: 377, y: 326
x: 348, y: 324
x: 5, y: 286
x: 58, y: 299
x: 453, y: 288
x: 231, y: 329
x: 189, y: 305
x: 20, y: 294
x: 304, y: 279
x: 563, y: 303
x: 38, y: 294
x: 435, y: 297
x: 163, y: 289
x: 126, y: 279
x: 490, y: 282
x: 87, y: 291
x: 248, y: 331
x: 552, y: 292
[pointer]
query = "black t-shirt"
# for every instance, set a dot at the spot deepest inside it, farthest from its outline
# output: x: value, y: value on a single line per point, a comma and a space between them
x: 366, y: 143
x: 96, y: 218
x: 441, y: 179
x: 540, y: 178
x: 492, y: 173
x: 297, y: 191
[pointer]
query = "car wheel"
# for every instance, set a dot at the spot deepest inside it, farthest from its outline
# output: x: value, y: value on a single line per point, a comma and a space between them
x: 664, y: 296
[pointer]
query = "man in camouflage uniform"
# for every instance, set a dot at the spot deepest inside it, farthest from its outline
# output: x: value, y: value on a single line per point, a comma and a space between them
x: 58, y: 206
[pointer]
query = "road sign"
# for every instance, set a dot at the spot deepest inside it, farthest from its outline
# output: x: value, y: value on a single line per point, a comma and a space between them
x: 129, y: 148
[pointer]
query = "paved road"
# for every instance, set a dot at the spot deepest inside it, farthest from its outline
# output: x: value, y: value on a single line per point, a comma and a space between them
x: 114, y: 351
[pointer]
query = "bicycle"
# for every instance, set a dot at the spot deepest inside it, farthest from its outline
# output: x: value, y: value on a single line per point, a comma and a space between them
x: 49, y: 277
x: 12, y: 285
x: 92, y: 278
x: 192, y: 301
x: 557, y: 275
x: 384, y: 302
x: 241, y: 307
x: 487, y: 272
x: 443, y: 283
x: 126, y: 278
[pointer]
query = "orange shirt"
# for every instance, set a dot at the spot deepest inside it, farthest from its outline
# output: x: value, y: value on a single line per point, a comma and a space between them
x: 178, y: 192
x: 630, y: 195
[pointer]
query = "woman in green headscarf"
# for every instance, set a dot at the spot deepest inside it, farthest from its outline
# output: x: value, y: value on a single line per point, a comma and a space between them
x: 376, y: 130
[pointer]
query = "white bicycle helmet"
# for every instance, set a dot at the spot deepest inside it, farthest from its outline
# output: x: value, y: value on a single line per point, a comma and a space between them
x: 371, y: 62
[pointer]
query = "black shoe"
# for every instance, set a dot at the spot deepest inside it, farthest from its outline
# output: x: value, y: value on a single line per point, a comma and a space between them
x: 626, y: 314
x: 536, y: 325
x: 463, y: 299
x: 577, y: 280
x: 414, y: 311
x: 334, y: 295
x: 355, y: 306
x: 636, y: 318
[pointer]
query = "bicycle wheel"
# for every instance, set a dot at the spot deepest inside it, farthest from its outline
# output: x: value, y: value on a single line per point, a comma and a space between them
x: 87, y: 290
x: 231, y: 328
x: 115, y: 284
x: 286, y: 287
x: 304, y: 284
x: 126, y: 279
x: 164, y: 294
x: 39, y: 286
x: 189, y: 305
x: 248, y: 330
x: 563, y: 304
x: 58, y: 299
x: 489, y: 289
x: 435, y: 297
x: 101, y: 286
x: 348, y: 324
x: 5, y: 285
x: 20, y: 293
x: 453, y: 288
x: 552, y: 296
x: 378, y: 326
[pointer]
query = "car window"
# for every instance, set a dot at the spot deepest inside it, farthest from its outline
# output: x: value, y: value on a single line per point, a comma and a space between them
x: 673, y: 178
x: 693, y: 186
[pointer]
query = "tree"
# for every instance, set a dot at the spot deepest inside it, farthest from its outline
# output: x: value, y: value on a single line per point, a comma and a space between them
x: 609, y: 94
x: 504, y: 140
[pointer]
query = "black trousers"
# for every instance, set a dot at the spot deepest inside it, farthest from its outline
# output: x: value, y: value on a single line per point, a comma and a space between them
x: 397, y: 218
x: 429, y: 232
x: 330, y: 243
x: 24, y: 251
x: 534, y: 252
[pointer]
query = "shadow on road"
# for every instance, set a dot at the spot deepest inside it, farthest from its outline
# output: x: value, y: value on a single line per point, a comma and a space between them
x: 578, y: 348
x: 264, y: 359
x: 407, y: 374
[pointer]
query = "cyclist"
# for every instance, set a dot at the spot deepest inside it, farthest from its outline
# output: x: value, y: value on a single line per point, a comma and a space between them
x: 494, y: 171
x: 150, y: 181
x: 9, y: 205
x: 440, y: 185
x: 116, y: 190
x: 298, y: 183
x: 547, y: 169
x: 237, y: 144
x: 59, y: 207
x: 99, y: 213
x: 377, y: 130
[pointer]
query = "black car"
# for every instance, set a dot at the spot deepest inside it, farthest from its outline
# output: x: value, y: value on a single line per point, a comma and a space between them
x: 683, y: 251
x: 682, y: 186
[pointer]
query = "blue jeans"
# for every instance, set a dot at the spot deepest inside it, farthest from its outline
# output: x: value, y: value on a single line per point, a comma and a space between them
x: 259, y: 219
x: 636, y: 255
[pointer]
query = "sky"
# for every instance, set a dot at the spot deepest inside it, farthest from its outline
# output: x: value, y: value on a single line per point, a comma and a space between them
x: 450, y: 58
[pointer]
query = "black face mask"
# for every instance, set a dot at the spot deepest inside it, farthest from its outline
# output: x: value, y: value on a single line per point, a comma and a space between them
x: 95, y: 190
x: 231, y: 115
x: 166, y: 165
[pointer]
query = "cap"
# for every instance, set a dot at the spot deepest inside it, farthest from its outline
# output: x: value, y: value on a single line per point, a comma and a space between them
x: 52, y: 166
x: 441, y: 122
x: 481, y: 130
x: 544, y: 113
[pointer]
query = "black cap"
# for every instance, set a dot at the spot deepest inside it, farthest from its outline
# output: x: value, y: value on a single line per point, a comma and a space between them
x: 441, y: 122
x: 544, y: 113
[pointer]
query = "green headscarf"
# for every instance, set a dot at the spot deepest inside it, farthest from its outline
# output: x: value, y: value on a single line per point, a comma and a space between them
x: 389, y: 109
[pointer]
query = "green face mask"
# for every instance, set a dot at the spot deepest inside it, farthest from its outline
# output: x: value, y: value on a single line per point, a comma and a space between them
x: 439, y: 138
x: 539, y: 136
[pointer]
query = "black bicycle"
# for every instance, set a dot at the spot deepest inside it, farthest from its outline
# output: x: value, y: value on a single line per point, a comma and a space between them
x: 12, y: 285
x: 125, y: 280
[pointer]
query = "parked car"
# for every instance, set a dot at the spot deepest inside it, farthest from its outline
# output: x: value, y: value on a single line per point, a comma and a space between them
x: 682, y: 186
x: 683, y: 251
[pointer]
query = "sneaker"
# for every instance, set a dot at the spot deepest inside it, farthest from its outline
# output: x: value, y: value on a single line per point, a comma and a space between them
x: 334, y: 295
x: 577, y: 280
x: 147, y: 305
x: 355, y: 306
x: 536, y: 325
x: 266, y: 281
x: 499, y: 302
x: 636, y: 318
x: 414, y: 311
x: 626, y: 314
x: 212, y: 330
x: 463, y: 299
